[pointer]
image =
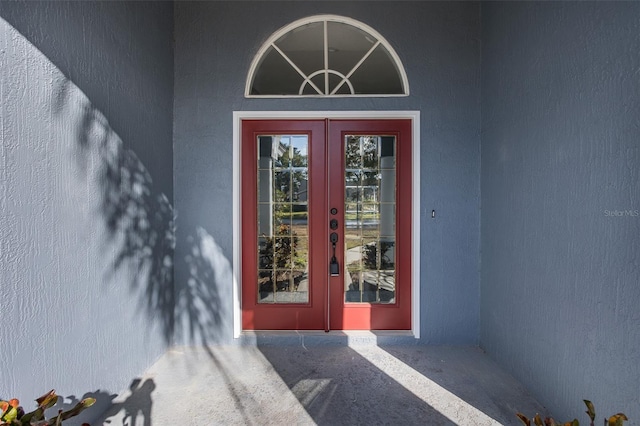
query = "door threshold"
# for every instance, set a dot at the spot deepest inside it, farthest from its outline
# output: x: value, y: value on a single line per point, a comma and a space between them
x: 331, y: 338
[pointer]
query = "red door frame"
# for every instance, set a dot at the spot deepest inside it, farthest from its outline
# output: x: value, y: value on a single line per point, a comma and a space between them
x: 325, y: 163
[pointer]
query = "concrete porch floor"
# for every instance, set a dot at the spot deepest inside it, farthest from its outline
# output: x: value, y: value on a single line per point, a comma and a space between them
x: 314, y: 379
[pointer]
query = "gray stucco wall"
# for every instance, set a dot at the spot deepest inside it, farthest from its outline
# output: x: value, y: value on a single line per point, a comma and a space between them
x: 560, y: 201
x: 86, y: 195
x: 439, y: 46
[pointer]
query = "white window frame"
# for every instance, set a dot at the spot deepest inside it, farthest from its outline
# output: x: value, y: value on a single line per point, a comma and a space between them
x: 238, y: 116
x: 307, y: 78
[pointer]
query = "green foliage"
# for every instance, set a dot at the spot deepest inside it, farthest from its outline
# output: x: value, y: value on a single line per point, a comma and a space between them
x: 11, y: 413
x: 290, y: 175
x: 615, y: 420
x: 280, y: 250
x: 370, y: 256
x: 361, y: 156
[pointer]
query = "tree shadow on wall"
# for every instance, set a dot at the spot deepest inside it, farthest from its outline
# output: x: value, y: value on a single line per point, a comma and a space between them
x: 198, y: 306
x: 138, y: 219
x: 140, y: 223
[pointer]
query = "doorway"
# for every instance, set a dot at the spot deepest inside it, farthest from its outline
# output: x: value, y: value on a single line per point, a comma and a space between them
x: 326, y: 222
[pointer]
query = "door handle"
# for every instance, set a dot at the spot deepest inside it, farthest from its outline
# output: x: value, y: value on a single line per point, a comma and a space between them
x: 334, y: 266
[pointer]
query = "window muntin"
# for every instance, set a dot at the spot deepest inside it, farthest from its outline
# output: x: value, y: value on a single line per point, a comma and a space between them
x: 283, y: 231
x: 326, y: 56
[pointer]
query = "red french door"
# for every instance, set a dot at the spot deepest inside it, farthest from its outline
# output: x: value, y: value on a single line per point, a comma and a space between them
x: 326, y: 224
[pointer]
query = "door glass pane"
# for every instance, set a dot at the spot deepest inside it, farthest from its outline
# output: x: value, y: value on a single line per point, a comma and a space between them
x: 369, y: 206
x: 283, y: 245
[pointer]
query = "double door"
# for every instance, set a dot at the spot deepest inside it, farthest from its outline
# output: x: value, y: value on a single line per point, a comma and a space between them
x: 326, y: 224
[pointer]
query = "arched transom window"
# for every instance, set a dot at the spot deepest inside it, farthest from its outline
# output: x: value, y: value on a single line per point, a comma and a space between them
x: 326, y: 55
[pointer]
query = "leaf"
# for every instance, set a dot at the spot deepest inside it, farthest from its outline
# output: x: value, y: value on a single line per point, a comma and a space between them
x: 591, y: 410
x: 548, y: 421
x: 14, y: 403
x: 10, y: 415
x: 88, y: 402
x: 524, y: 419
x: 537, y: 420
x: 4, y: 406
x: 617, y: 419
x: 47, y: 400
x: 35, y: 415
x: 80, y: 406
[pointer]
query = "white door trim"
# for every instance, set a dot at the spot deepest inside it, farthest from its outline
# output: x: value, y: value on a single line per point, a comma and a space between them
x: 414, y: 116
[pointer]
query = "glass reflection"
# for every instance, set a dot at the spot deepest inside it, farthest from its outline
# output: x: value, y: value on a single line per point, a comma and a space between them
x: 283, y: 245
x: 370, y: 202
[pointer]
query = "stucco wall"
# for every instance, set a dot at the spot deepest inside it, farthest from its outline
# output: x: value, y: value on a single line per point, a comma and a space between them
x: 560, y: 201
x: 86, y: 195
x: 439, y: 46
